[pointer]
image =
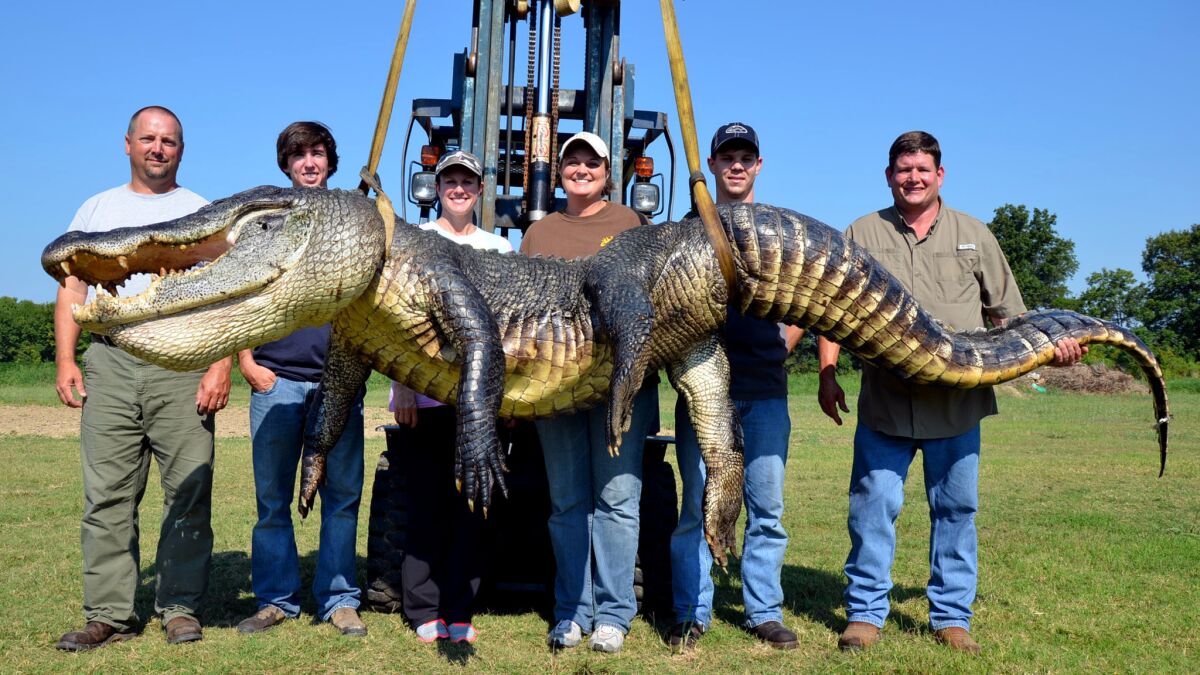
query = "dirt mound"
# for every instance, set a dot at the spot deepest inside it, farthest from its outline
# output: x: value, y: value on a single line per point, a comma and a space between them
x: 1094, y: 378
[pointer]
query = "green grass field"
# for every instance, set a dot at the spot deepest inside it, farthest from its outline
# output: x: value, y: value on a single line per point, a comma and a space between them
x: 1088, y: 562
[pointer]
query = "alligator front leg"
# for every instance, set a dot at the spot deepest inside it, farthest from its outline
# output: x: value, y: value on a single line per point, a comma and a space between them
x: 462, y: 315
x: 702, y: 378
x: 344, y: 375
x: 626, y: 317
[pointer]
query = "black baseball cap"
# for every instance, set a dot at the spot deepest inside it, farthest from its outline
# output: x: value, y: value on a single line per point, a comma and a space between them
x: 460, y: 158
x: 734, y: 131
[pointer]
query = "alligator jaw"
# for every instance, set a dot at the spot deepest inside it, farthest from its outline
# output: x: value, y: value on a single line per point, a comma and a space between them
x: 111, y: 268
x: 106, y: 312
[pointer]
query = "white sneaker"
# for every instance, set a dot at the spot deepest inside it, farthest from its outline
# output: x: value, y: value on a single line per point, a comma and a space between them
x: 607, y: 638
x: 432, y: 631
x: 463, y: 632
x: 566, y: 634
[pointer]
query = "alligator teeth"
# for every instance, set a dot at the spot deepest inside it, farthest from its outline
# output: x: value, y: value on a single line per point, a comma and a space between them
x: 162, y: 271
x: 100, y: 291
x: 123, y: 262
x: 66, y: 267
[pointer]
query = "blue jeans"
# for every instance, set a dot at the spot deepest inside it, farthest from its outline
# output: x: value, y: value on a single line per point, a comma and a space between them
x: 278, y: 420
x: 876, y: 494
x: 765, y: 428
x: 594, y: 502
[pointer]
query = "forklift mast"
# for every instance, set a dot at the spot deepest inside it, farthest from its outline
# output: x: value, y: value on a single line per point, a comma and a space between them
x: 514, y: 129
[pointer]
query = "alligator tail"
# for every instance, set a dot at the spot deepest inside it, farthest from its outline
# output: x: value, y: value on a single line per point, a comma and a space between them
x: 797, y: 270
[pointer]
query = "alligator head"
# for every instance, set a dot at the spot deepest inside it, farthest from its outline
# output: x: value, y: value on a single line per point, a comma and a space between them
x: 240, y: 272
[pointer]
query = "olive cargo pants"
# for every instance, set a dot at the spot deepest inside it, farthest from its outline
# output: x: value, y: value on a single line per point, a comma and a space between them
x: 135, y: 410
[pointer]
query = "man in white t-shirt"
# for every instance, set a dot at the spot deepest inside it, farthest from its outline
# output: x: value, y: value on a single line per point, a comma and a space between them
x: 132, y: 411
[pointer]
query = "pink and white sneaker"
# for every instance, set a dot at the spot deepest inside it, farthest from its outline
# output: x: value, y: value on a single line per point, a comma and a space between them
x: 463, y: 632
x: 432, y: 631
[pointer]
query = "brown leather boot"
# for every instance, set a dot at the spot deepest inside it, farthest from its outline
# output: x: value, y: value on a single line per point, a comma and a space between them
x: 957, y: 638
x: 776, y: 635
x: 183, y: 629
x: 95, y: 634
x: 859, y: 635
x: 267, y: 617
x: 346, y: 620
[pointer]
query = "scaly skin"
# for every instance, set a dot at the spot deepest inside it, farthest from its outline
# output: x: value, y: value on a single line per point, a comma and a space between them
x: 531, y: 337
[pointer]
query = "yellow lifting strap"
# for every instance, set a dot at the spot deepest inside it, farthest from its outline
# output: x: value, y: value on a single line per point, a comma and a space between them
x: 683, y: 101
x: 368, y: 174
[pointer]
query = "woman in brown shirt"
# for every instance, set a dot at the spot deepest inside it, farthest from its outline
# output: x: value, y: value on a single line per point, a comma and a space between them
x: 594, y: 497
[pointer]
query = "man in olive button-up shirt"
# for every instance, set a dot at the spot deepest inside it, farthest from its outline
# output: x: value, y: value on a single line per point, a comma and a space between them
x: 953, y: 266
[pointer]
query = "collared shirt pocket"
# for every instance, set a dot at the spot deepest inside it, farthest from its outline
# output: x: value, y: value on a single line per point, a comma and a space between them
x: 957, y: 274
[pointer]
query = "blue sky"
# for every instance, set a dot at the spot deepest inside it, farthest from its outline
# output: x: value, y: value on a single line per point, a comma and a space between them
x: 1088, y: 109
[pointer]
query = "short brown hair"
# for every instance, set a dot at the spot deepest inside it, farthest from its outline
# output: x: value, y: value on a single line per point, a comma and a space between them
x: 915, y: 141
x: 300, y: 135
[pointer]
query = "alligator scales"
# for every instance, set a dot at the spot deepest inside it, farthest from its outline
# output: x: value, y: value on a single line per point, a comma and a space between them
x: 521, y: 337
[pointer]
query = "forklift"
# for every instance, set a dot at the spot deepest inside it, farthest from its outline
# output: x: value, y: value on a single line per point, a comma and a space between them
x: 515, y: 131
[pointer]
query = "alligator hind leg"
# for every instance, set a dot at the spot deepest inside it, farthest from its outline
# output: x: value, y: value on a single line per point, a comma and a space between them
x: 702, y: 378
x: 344, y: 375
x: 626, y: 316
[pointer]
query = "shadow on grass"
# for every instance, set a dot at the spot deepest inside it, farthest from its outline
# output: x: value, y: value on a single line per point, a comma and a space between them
x: 807, y: 592
x: 458, y: 654
x: 229, y: 598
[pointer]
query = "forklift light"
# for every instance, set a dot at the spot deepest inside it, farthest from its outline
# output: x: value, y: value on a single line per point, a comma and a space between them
x: 424, y: 187
x: 645, y: 197
x: 644, y: 166
x: 430, y: 155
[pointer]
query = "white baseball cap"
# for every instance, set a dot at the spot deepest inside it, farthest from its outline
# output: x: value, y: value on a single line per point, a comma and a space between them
x: 594, y: 142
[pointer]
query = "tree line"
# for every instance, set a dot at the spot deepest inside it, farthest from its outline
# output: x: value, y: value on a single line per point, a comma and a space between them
x: 1164, y: 311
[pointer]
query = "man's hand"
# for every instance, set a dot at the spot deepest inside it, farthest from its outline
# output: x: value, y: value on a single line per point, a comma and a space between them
x: 830, y: 395
x: 213, y: 393
x: 67, y: 380
x: 1067, y: 352
x: 260, y: 378
x: 66, y: 335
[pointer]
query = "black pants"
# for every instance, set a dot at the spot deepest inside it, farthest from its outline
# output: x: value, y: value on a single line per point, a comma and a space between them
x: 443, y: 559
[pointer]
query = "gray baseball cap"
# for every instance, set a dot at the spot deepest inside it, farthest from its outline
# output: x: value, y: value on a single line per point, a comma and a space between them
x: 460, y: 158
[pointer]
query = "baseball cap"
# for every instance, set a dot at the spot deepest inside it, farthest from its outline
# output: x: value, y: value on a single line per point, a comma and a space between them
x: 460, y: 158
x: 596, y: 143
x: 734, y: 131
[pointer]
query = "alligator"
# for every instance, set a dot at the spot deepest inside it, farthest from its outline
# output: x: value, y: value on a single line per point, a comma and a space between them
x: 502, y: 334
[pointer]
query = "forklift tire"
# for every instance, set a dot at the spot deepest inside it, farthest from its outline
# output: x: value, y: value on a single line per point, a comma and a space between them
x: 387, y: 533
x: 659, y: 515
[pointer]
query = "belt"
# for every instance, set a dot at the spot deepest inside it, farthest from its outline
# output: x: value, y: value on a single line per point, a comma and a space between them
x: 102, y: 339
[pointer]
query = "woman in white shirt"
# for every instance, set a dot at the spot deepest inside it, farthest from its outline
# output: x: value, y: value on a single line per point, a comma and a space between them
x: 443, y: 560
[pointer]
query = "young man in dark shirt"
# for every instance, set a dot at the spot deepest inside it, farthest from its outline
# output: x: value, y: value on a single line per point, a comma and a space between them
x: 758, y: 387
x: 284, y: 375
